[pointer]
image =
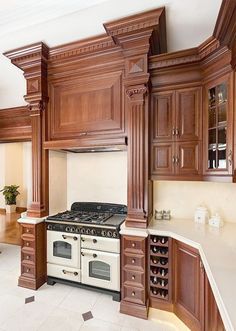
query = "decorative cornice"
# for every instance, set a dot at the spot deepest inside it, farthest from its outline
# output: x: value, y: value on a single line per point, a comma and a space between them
x: 27, y: 56
x: 83, y: 47
x: 149, y: 19
x: 225, y: 28
x: 208, y: 47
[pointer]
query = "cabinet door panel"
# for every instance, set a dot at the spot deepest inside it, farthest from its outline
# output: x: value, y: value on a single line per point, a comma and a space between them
x: 163, y: 115
x: 188, y: 158
x: 188, y: 113
x: 189, y: 286
x: 86, y: 108
x: 162, y: 159
x: 213, y: 319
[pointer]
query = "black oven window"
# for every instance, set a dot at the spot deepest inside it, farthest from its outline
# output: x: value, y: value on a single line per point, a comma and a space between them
x: 100, y: 270
x: 62, y: 249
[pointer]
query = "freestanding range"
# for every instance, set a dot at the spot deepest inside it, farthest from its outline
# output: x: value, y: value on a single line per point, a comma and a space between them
x: 83, y: 246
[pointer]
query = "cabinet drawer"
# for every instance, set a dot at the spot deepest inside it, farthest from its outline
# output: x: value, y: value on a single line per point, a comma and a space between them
x: 133, y: 262
x: 27, y: 257
x: 27, y: 270
x: 134, y: 278
x: 134, y: 294
x: 134, y: 244
x: 28, y: 230
x: 27, y: 242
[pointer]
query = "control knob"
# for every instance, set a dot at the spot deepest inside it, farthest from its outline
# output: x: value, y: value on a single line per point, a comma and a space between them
x: 82, y: 230
x: 67, y: 229
x: 115, y: 234
x: 77, y: 230
x: 88, y: 231
x: 103, y: 233
x: 93, y: 232
x: 49, y: 226
x: 109, y: 234
x: 72, y: 229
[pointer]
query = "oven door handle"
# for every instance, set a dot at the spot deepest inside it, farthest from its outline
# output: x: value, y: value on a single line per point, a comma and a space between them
x: 65, y: 272
x: 70, y: 237
x: 93, y: 254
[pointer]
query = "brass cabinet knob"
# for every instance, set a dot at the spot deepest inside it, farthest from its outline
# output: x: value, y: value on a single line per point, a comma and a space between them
x: 27, y: 257
x: 27, y: 244
x: 27, y: 270
x: 133, y: 277
x: 133, y: 261
x: 27, y: 230
x: 133, y: 294
x: 133, y: 244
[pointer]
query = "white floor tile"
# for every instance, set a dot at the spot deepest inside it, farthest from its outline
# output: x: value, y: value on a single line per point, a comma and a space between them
x: 62, y: 320
x: 28, y: 318
x: 95, y: 324
x: 108, y: 310
x: 80, y: 300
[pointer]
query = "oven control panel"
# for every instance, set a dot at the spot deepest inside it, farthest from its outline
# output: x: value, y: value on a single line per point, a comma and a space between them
x: 93, y: 231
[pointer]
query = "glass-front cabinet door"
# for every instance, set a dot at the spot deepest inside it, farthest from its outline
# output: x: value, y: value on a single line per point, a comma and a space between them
x: 218, y: 129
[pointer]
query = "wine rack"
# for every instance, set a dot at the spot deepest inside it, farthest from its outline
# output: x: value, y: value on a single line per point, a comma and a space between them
x: 160, y: 268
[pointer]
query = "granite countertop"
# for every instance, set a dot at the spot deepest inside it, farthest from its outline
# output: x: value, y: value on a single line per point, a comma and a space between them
x: 217, y: 248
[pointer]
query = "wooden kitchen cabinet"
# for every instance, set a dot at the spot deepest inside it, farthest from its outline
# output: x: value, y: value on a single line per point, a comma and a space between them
x: 133, y: 276
x: 188, y: 296
x: 218, y: 128
x: 33, y: 256
x: 213, y: 320
x: 176, y: 134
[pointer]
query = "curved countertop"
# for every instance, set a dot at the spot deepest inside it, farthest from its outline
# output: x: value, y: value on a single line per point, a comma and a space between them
x: 217, y: 248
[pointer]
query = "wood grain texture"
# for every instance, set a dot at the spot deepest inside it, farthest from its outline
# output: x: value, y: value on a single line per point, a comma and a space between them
x: 15, y: 124
x: 10, y: 229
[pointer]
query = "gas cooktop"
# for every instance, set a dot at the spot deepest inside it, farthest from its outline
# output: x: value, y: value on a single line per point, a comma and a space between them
x: 92, y: 213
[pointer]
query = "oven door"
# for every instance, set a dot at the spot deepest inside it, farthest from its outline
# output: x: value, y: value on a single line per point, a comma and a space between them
x: 63, y: 249
x: 100, y: 269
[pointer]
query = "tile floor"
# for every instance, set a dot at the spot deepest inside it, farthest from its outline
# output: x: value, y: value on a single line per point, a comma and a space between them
x: 60, y: 307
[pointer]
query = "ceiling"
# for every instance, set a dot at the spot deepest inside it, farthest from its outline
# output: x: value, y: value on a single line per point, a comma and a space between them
x: 56, y: 22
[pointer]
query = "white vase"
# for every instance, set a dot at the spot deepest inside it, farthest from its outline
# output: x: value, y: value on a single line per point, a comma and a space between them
x: 10, y: 209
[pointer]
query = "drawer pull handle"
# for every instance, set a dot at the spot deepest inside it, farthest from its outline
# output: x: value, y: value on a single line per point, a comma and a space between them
x: 133, y: 294
x: 133, y: 277
x: 27, y: 270
x: 133, y: 244
x: 133, y: 261
x: 65, y: 272
x: 27, y: 230
x: 27, y: 244
x: 70, y: 237
x: 27, y: 257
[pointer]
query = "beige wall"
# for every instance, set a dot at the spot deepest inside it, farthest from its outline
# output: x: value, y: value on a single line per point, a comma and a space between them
x: 99, y: 177
x: 57, y: 182
x: 15, y: 169
x: 183, y: 197
x: 2, y: 173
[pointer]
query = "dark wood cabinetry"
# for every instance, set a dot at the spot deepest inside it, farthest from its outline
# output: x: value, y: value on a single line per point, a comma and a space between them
x: 133, y: 276
x: 218, y: 127
x: 33, y: 259
x: 176, y: 134
x: 212, y: 318
x: 188, y: 286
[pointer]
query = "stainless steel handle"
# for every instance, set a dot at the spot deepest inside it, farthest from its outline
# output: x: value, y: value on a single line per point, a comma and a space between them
x: 230, y: 156
x: 69, y: 237
x: 65, y: 272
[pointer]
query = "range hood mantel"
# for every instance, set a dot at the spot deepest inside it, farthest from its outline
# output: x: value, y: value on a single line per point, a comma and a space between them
x: 88, y: 146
